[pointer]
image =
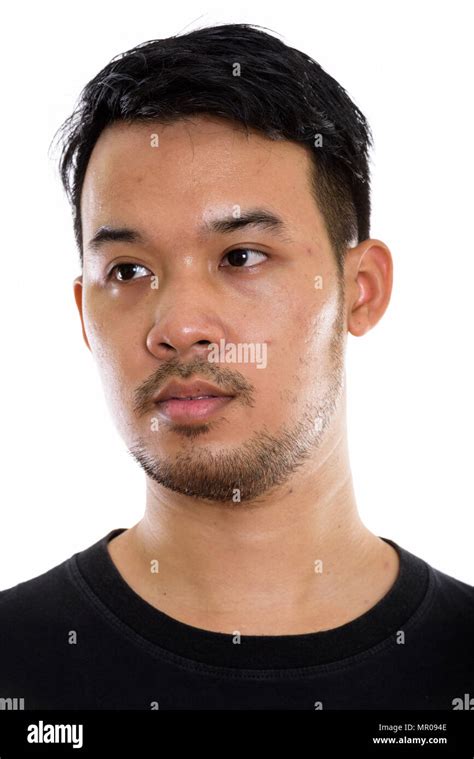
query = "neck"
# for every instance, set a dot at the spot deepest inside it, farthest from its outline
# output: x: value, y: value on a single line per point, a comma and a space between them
x: 299, y: 561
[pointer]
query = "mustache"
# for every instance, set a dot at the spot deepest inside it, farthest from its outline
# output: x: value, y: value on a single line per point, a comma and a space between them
x: 230, y: 381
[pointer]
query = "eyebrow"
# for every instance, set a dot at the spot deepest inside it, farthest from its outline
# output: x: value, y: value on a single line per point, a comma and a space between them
x: 258, y: 218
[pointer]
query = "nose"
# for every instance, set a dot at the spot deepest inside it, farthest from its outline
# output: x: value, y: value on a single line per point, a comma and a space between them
x: 185, y: 325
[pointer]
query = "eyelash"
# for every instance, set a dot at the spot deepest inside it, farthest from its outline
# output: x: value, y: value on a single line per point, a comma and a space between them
x: 126, y: 263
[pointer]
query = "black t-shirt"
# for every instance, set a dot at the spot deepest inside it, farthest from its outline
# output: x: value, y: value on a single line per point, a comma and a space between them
x: 78, y: 637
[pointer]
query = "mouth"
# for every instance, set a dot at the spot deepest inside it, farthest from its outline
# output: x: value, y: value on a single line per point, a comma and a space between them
x: 191, y: 408
x: 192, y: 400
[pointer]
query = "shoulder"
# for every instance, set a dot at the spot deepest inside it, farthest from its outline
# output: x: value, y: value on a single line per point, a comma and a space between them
x: 36, y: 597
x: 432, y: 592
x: 445, y: 625
x: 55, y: 589
x: 453, y: 594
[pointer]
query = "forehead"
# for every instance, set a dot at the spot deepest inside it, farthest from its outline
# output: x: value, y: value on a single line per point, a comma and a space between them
x: 145, y: 171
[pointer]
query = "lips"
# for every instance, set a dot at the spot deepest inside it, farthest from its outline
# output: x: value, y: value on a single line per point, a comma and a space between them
x: 198, y: 389
x: 184, y: 403
x: 182, y: 411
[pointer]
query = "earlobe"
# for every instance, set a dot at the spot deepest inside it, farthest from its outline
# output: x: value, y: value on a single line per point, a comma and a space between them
x: 78, y: 291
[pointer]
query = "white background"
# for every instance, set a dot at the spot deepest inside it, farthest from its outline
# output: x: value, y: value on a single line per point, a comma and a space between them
x: 66, y: 476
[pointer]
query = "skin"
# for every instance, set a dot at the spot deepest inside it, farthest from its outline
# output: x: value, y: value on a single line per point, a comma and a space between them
x: 226, y: 565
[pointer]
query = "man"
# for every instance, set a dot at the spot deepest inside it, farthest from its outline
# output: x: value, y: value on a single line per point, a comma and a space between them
x: 220, y: 188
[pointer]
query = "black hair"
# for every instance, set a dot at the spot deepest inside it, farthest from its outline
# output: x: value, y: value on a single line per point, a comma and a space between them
x: 279, y: 91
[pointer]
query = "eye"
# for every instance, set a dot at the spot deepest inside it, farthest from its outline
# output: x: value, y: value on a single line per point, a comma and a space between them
x: 128, y: 269
x: 239, y: 257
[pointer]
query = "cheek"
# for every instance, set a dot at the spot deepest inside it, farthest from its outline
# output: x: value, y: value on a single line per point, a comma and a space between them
x: 108, y: 329
x: 316, y: 322
x: 302, y: 348
x: 116, y: 350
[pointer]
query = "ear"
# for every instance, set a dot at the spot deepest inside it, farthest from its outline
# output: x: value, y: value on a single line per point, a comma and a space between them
x: 369, y: 278
x: 78, y: 291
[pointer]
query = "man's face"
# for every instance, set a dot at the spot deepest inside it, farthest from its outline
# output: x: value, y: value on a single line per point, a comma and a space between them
x: 180, y: 289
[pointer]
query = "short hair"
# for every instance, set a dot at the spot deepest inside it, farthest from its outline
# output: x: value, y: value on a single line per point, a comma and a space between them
x: 279, y: 91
